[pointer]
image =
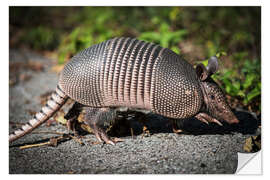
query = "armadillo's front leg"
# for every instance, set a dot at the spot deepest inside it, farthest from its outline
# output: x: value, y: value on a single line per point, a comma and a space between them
x: 174, y: 126
x: 206, y: 118
x: 99, y: 119
x: 142, y: 118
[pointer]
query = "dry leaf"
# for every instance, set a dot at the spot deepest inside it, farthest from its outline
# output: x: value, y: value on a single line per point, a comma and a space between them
x: 87, y: 128
x: 253, y: 144
x: 60, y: 118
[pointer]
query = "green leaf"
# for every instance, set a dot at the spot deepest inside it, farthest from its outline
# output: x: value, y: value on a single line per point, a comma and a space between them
x: 227, y: 74
x: 175, y: 49
x: 61, y: 58
x: 174, y: 13
x: 236, y: 85
x: 220, y: 54
x: 241, y: 93
x: 152, y: 36
x: 252, y: 94
x: 179, y: 35
x: 248, y: 81
x: 205, y: 62
x: 228, y: 85
x: 164, y: 28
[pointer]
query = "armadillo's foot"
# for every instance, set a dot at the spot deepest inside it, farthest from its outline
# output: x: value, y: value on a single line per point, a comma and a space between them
x: 206, y: 118
x: 174, y: 127
x: 101, y: 136
x: 99, y: 119
x: 177, y: 131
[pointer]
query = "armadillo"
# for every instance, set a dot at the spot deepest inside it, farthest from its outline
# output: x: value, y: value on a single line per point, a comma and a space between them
x: 126, y: 73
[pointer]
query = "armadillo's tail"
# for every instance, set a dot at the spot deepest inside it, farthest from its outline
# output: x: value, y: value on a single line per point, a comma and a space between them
x: 57, y: 100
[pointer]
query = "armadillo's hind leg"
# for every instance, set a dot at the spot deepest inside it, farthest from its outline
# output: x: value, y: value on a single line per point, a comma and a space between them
x: 72, y: 116
x: 99, y: 119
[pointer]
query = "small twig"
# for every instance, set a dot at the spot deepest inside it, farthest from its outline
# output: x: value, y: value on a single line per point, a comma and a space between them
x: 132, y: 133
x: 59, y: 133
x: 48, y: 132
x: 52, y: 141
x: 35, y: 145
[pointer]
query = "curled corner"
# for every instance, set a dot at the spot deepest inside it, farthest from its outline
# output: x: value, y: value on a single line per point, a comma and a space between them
x: 249, y: 163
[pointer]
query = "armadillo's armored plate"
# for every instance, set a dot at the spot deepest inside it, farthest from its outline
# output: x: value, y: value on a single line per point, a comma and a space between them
x: 177, y: 91
x: 79, y: 78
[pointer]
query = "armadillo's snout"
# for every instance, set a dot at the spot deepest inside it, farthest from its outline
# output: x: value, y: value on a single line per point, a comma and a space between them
x: 231, y: 118
x: 234, y: 121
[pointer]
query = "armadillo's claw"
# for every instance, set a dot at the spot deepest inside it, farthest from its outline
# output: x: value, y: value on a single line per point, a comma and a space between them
x: 101, y: 136
x: 113, y: 141
x: 118, y: 140
x: 216, y: 121
x: 174, y: 127
x: 110, y: 142
x: 98, y: 137
x: 177, y: 131
x: 202, y: 118
x: 206, y: 118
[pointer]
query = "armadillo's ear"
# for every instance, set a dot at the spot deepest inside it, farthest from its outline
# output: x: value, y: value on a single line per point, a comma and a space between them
x: 212, y: 66
x: 202, y: 72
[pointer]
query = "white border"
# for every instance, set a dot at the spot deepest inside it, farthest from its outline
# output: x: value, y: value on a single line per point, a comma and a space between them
x: 4, y: 65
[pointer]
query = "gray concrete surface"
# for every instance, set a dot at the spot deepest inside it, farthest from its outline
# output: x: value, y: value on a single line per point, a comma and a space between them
x: 201, y: 149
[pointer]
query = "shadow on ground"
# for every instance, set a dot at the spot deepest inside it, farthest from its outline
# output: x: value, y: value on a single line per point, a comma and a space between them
x: 248, y: 124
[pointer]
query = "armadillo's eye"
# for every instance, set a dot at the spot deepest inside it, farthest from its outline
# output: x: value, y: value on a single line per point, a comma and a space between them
x: 212, y: 97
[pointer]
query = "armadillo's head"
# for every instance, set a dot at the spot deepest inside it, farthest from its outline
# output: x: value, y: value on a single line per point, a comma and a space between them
x: 214, y: 99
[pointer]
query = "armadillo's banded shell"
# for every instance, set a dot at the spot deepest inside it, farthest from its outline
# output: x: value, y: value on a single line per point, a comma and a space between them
x: 80, y: 77
x: 117, y: 72
x: 127, y: 72
x: 132, y: 73
x: 176, y: 92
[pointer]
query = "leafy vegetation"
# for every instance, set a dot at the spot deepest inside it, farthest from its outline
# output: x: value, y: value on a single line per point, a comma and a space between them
x: 165, y: 37
x: 243, y: 81
x: 197, y: 33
